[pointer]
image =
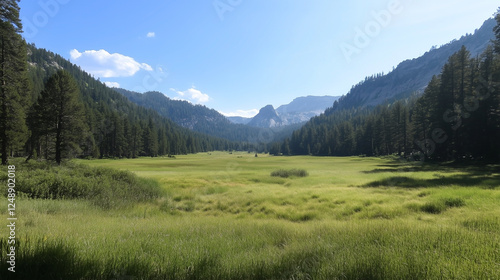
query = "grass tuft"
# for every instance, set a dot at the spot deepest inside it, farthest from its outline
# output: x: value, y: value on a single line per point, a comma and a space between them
x: 285, y: 173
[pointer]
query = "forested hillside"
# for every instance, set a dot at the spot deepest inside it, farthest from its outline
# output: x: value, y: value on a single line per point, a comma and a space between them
x: 118, y: 127
x: 413, y: 75
x: 195, y: 117
x: 208, y: 121
x: 457, y: 117
x: 52, y: 109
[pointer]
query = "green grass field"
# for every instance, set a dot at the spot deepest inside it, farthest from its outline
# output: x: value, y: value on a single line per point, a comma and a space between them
x: 223, y: 216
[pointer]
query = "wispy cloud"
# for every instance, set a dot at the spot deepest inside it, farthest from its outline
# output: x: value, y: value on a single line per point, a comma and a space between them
x: 242, y: 113
x: 112, y: 84
x: 151, y: 35
x: 192, y: 95
x: 107, y: 65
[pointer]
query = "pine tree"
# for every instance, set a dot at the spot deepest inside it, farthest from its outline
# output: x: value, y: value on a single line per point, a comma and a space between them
x: 151, y: 139
x: 13, y: 80
x: 497, y: 32
x: 136, y: 142
x: 61, y: 116
x: 448, y: 113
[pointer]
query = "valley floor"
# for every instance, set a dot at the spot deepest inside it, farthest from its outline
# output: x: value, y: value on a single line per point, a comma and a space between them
x: 222, y: 216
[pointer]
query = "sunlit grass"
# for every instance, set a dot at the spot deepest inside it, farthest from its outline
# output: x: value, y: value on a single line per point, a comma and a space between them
x: 223, y: 216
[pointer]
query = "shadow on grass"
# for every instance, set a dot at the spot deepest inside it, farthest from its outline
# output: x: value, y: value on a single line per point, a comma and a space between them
x: 56, y: 260
x: 463, y: 180
x: 445, y: 167
x: 45, y: 261
x: 40, y: 260
x: 471, y: 174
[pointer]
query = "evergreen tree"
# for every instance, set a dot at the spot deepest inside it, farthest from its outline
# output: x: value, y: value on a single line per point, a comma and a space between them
x: 150, y: 139
x: 136, y: 142
x: 496, y: 43
x: 61, y: 116
x: 13, y: 80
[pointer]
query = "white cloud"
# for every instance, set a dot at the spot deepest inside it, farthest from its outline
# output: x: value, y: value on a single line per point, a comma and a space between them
x: 192, y: 95
x: 112, y: 84
x: 106, y: 65
x: 242, y: 113
x: 151, y: 35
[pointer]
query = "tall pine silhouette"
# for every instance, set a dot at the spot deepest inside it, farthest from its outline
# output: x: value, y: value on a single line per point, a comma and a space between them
x: 13, y: 81
x: 60, y: 118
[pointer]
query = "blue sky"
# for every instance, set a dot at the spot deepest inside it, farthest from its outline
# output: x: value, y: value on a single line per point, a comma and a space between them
x: 237, y: 56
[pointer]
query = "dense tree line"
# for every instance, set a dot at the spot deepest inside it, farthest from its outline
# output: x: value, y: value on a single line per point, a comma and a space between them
x: 413, y: 74
x: 119, y: 128
x: 208, y: 121
x: 13, y: 80
x: 457, y: 117
x: 51, y: 109
x: 195, y: 117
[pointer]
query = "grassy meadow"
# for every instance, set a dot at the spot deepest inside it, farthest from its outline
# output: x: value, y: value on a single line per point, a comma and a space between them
x: 223, y: 216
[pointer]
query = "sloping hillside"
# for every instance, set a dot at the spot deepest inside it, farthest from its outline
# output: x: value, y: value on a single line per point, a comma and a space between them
x: 119, y: 128
x: 413, y: 75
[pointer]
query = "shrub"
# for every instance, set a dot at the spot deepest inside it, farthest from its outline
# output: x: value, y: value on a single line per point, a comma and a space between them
x: 454, y: 202
x: 441, y: 205
x: 107, y: 188
x: 283, y: 173
x: 433, y: 207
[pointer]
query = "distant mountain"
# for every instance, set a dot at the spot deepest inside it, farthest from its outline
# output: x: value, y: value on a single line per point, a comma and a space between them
x: 205, y: 120
x: 413, y: 75
x: 267, y: 117
x: 195, y: 117
x: 300, y: 110
x: 239, y: 120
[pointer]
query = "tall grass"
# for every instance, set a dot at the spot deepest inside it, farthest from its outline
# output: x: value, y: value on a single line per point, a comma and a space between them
x: 283, y: 173
x: 222, y: 216
x: 105, y: 187
x: 222, y: 248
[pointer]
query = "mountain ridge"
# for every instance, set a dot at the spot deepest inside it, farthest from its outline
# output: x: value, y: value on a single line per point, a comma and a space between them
x: 267, y: 117
x: 413, y: 75
x: 299, y: 110
x: 209, y: 121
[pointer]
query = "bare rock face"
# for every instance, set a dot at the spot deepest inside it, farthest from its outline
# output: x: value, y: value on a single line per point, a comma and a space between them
x: 267, y: 117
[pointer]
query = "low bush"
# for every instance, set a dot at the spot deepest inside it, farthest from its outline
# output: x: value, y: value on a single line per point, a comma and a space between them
x: 105, y: 187
x: 283, y: 173
x: 436, y: 207
x: 454, y: 202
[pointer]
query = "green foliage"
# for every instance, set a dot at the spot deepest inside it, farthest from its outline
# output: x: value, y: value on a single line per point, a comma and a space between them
x: 411, y: 75
x: 497, y: 32
x: 435, y: 207
x: 13, y: 81
x: 57, y: 118
x: 118, y: 128
x: 220, y: 222
x: 106, y: 188
x: 438, y: 206
x: 199, y: 118
x: 456, y: 119
x: 289, y: 173
x: 454, y: 202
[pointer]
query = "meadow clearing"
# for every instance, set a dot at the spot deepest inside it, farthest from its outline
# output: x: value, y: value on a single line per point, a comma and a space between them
x: 222, y: 215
